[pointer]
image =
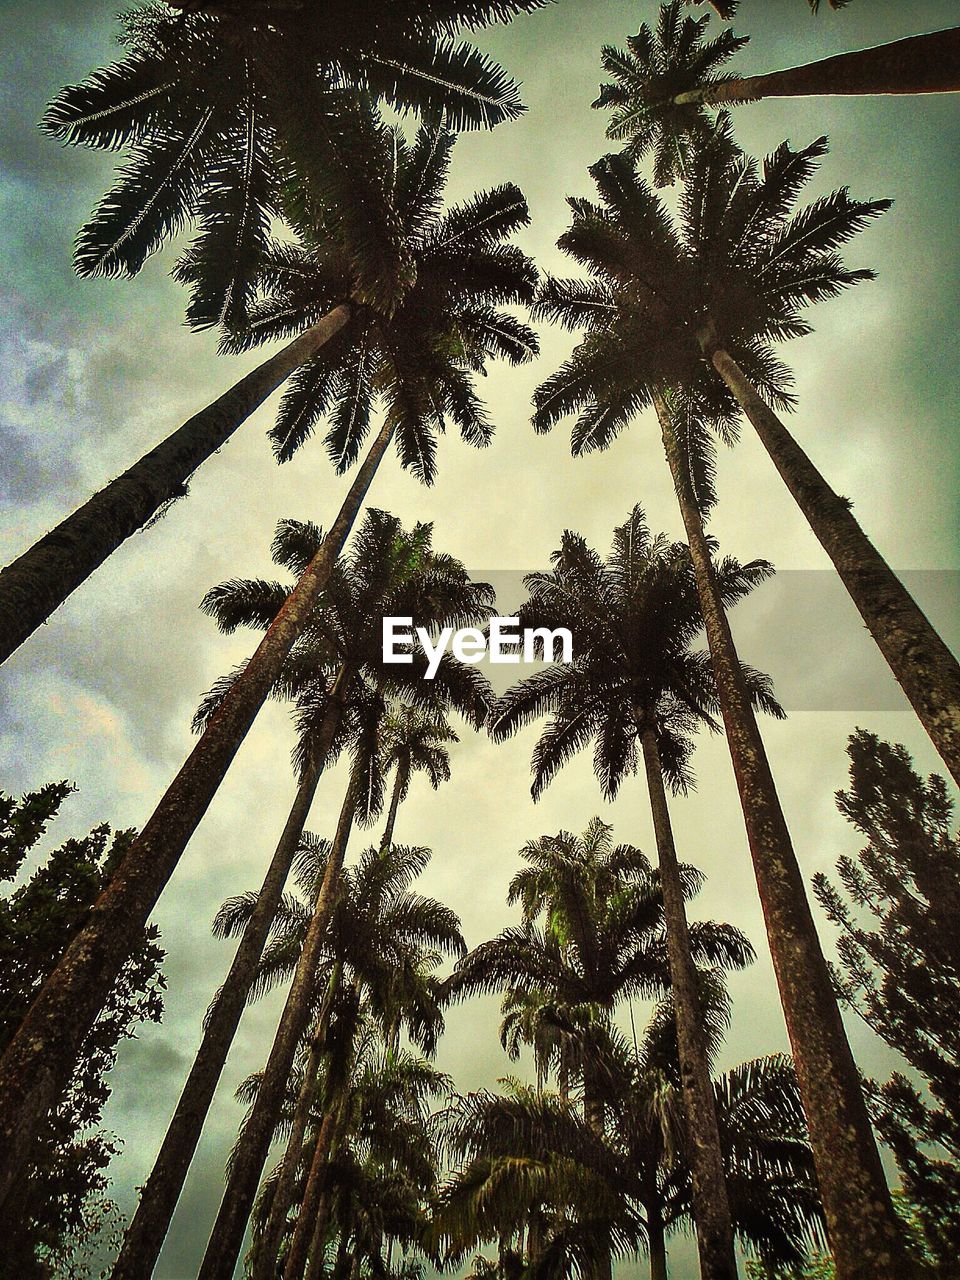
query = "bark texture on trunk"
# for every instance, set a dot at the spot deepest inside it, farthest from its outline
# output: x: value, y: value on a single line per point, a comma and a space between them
x: 593, y: 1113
x: 38, y: 582
x: 312, y: 1218
x: 928, y: 63
x: 711, y: 1205
x: 656, y: 1242
x: 226, y: 1239
x: 924, y: 667
x: 864, y: 1232
x: 38, y: 1061
x: 266, y: 1260
x: 158, y: 1199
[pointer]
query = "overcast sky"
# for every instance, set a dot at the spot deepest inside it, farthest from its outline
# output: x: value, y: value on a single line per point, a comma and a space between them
x: 95, y: 372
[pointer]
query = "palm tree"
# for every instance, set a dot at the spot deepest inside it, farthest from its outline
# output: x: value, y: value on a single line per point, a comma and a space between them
x: 334, y: 677
x: 665, y: 79
x: 226, y: 1239
x: 381, y: 945
x: 638, y: 689
x: 529, y: 1155
x: 213, y: 112
x: 449, y: 324
x: 646, y: 288
x: 419, y: 932
x: 606, y: 935
x: 410, y: 741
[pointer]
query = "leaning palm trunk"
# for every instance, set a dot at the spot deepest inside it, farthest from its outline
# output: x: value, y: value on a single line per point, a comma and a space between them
x: 38, y: 1061
x: 158, y: 1199
x: 38, y: 582
x: 924, y: 667
x: 226, y: 1239
x: 862, y: 1224
x: 918, y: 64
x: 711, y: 1205
x: 311, y: 1219
x: 265, y: 1263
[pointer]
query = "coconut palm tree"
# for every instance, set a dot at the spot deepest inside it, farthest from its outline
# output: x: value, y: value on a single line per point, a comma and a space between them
x: 605, y: 936
x: 212, y: 113
x: 638, y: 689
x: 334, y: 677
x: 665, y: 79
x: 639, y: 350
x: 422, y: 361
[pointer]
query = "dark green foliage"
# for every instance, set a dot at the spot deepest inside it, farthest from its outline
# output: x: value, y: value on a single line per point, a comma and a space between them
x: 739, y: 257
x: 212, y: 107
x: 433, y: 286
x: 55, y: 1208
x: 633, y: 619
x: 897, y: 907
x: 601, y: 1166
x: 655, y: 67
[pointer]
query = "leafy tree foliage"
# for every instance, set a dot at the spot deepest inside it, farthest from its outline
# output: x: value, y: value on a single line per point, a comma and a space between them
x: 60, y: 1203
x: 897, y: 906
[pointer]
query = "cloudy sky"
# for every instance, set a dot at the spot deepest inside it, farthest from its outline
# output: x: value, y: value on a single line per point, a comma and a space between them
x: 95, y: 372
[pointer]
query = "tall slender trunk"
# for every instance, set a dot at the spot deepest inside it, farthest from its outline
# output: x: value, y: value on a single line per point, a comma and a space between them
x: 312, y: 1219
x: 928, y: 63
x: 38, y: 1061
x: 38, y: 582
x: 865, y: 1236
x: 593, y: 1113
x: 395, y: 797
x: 924, y: 667
x: 226, y: 1239
x: 158, y: 1198
x: 711, y: 1205
x: 656, y: 1238
x: 268, y: 1246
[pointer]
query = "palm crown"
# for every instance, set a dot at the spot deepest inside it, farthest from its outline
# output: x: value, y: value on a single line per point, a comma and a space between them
x: 655, y: 67
x: 417, y: 354
x: 634, y: 619
x: 213, y: 104
x: 388, y: 571
x: 740, y: 261
x: 604, y: 936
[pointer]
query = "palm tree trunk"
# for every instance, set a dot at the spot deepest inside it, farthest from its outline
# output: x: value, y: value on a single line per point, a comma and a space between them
x: 38, y: 582
x: 656, y: 1241
x: 312, y: 1218
x: 226, y: 1239
x: 395, y: 797
x: 711, y: 1205
x: 918, y: 64
x: 158, y: 1198
x: 593, y: 1113
x: 864, y: 1232
x: 269, y: 1243
x: 924, y: 667
x: 38, y: 1061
